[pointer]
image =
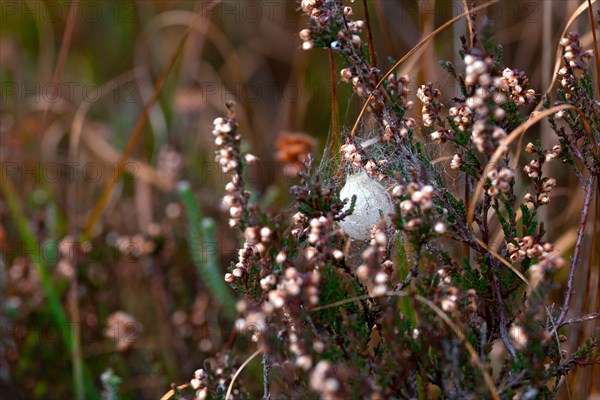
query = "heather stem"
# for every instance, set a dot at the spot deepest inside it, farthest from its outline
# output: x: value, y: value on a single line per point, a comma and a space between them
x: 266, y: 369
x: 589, y: 193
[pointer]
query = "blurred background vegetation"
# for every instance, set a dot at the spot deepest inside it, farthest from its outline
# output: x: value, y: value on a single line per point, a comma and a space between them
x: 73, y: 85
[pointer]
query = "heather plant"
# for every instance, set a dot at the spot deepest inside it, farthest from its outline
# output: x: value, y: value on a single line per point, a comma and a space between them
x: 383, y: 280
x: 371, y: 227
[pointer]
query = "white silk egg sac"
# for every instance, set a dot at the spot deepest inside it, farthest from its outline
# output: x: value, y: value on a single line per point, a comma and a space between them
x: 372, y: 201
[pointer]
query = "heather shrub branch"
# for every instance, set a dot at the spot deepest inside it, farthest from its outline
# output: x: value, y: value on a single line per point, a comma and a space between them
x: 351, y: 294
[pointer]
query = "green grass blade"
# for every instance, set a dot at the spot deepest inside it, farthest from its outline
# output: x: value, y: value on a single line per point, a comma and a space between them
x: 203, y: 248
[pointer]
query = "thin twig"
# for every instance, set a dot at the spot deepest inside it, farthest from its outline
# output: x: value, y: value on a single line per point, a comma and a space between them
x: 589, y: 192
x: 584, y: 318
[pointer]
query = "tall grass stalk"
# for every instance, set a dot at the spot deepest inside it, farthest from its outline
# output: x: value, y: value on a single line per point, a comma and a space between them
x: 204, y: 250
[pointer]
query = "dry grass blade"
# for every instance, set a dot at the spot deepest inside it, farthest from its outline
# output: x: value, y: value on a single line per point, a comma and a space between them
x: 383, y: 24
x: 85, y: 106
x: 413, y: 51
x: 75, y: 137
x: 171, y: 392
x: 109, y: 156
x: 469, y: 23
x: 572, y: 19
x: 441, y: 159
x: 486, y: 376
x: 447, y: 320
x: 131, y: 144
x: 372, y: 58
x: 351, y: 300
x: 239, y: 371
x: 596, y: 53
x: 138, y: 130
x: 520, y: 130
x: 62, y: 57
x: 503, y: 261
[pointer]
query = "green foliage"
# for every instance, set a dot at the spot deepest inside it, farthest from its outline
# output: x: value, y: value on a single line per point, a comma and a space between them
x: 204, y: 250
x: 111, y: 383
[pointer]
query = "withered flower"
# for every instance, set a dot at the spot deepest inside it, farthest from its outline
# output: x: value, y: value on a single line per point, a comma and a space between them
x: 293, y: 149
